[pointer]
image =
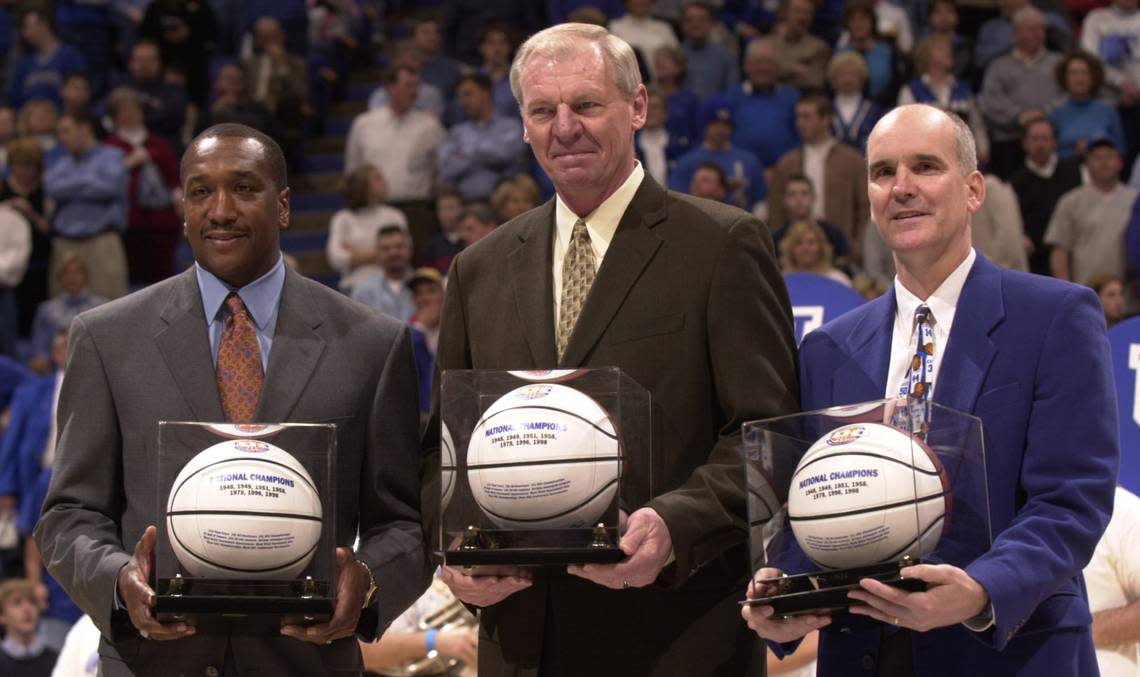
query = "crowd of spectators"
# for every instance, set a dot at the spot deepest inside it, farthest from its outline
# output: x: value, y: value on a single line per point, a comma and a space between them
x: 766, y: 106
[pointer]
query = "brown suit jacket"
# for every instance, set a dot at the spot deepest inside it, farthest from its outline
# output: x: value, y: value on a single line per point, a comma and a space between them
x: 844, y: 195
x: 690, y: 303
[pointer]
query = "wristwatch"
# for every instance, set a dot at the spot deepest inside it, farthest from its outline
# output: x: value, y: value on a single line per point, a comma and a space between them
x: 369, y: 596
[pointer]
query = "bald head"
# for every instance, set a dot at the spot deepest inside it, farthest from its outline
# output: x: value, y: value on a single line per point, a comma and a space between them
x: 932, y: 119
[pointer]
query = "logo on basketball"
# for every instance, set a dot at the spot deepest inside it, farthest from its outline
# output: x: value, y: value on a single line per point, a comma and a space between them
x: 845, y: 435
x: 251, y: 447
x: 532, y: 392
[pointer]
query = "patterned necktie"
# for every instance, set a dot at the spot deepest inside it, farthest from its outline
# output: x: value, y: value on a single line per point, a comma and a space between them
x: 919, y: 377
x: 239, y: 364
x: 578, y: 270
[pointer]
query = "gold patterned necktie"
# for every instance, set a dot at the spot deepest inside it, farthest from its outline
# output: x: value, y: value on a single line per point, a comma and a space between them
x: 239, y: 370
x: 578, y: 270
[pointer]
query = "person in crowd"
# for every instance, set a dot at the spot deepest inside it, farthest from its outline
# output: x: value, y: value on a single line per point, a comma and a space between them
x: 799, y: 205
x: 837, y: 173
x: 802, y: 56
x: 40, y: 74
x: 643, y: 31
x: 23, y: 651
x: 682, y: 107
x: 1019, y: 608
x: 426, y: 285
x: 1081, y: 116
x: 279, y: 81
x: 80, y: 654
x: 8, y: 132
x: 943, y: 20
x: 402, y: 143
x: 232, y: 103
x: 1110, y: 289
x: 15, y: 249
x: 154, y: 195
x: 855, y: 114
x: 514, y: 196
x: 429, y: 98
x: 444, y: 245
x: 618, y: 306
x: 709, y: 67
x: 709, y: 182
x: 185, y: 31
x: 997, y: 229
x: 39, y: 120
x: 1113, y: 34
x: 995, y: 37
x: 764, y: 110
x: 476, y: 223
x: 76, y: 92
x: 657, y: 148
x: 56, y: 313
x: 485, y: 149
x: 89, y: 185
x: 1086, y: 232
x: 353, y: 231
x: 1039, y: 183
x: 304, y: 352
x: 1018, y: 87
x: 936, y: 85
x: 805, y: 249
x: 23, y: 191
x: 747, y: 185
x: 885, y: 68
x: 388, y: 292
x: 164, y: 100
x: 495, y: 48
x: 90, y: 28
x: 437, y: 68
x: 1114, y: 586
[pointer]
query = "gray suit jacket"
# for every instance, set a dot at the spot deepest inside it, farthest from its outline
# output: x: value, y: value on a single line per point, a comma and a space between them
x: 146, y: 358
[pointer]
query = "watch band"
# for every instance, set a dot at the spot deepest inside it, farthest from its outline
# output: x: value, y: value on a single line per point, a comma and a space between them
x: 370, y: 596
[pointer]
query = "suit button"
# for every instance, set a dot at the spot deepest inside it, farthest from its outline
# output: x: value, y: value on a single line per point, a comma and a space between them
x: 211, y: 671
x: 868, y: 662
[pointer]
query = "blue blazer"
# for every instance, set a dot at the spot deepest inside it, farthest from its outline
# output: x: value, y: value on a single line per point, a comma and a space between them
x: 1029, y: 356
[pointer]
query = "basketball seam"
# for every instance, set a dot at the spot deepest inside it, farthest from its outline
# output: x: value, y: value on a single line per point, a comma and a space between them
x: 865, y: 453
x: 612, y: 436
x: 887, y: 506
x: 200, y: 558
x: 545, y: 518
x: 251, y: 513
x: 555, y: 461
x: 916, y: 539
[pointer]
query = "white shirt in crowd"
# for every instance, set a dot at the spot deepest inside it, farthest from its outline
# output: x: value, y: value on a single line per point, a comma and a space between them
x: 815, y: 168
x: 646, y: 35
x: 352, y: 229
x: 403, y: 147
x: 1113, y: 579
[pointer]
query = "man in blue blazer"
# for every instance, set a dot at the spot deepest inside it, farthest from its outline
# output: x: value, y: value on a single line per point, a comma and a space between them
x: 1026, y: 354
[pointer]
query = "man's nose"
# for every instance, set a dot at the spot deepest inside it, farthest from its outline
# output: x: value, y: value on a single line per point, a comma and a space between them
x: 221, y: 207
x: 566, y: 126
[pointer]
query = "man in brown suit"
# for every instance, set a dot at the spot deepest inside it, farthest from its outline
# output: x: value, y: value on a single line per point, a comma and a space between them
x: 685, y: 296
x: 837, y: 171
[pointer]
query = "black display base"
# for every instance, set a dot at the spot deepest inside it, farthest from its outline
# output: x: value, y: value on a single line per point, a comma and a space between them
x: 533, y: 557
x: 261, y: 607
x: 823, y: 591
x: 493, y: 552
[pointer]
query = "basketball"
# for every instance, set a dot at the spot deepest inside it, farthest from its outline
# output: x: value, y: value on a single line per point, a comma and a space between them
x: 548, y: 375
x: 244, y: 509
x: 544, y: 457
x: 867, y: 493
x: 447, y: 466
x: 245, y: 430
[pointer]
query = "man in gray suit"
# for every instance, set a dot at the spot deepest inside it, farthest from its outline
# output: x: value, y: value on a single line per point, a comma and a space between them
x: 685, y: 296
x: 151, y: 356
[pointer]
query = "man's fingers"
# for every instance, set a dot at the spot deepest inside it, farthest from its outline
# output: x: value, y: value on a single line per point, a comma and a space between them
x: 931, y: 573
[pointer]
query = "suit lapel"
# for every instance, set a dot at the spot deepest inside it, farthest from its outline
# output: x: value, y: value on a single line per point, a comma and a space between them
x: 529, y: 267
x: 970, y: 352
x: 297, y: 348
x: 183, y: 340
x: 863, y: 376
x: 630, y: 251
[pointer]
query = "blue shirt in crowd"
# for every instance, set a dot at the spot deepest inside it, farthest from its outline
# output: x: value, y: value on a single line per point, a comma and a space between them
x: 376, y: 292
x: 712, y: 69
x: 42, y: 77
x: 739, y: 166
x: 1088, y: 120
x: 765, y: 121
x: 90, y: 192
x: 475, y: 157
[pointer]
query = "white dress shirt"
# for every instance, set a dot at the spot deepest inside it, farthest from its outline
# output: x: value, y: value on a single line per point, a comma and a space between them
x: 600, y: 224
x: 942, y: 304
x: 403, y: 147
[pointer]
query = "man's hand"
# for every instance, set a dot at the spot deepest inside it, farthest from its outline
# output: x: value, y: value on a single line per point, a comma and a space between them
x: 951, y: 597
x: 137, y: 596
x: 483, y: 591
x: 760, y: 618
x: 647, y: 546
x: 351, y: 588
x: 459, y: 643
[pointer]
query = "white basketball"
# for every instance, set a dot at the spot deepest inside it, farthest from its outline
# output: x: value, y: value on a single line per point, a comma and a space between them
x: 544, y: 457
x: 244, y: 509
x: 548, y: 375
x: 447, y: 466
x: 245, y: 430
x: 867, y: 493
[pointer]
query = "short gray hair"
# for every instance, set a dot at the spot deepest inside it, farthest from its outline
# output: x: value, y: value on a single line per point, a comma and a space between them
x: 564, y: 39
x: 1026, y: 13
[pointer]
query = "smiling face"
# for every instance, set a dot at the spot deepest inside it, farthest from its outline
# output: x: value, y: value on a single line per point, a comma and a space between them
x: 920, y: 200
x: 578, y: 124
x: 234, y: 213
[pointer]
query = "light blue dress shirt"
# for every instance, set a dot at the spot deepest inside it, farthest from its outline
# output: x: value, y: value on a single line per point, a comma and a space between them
x: 262, y: 298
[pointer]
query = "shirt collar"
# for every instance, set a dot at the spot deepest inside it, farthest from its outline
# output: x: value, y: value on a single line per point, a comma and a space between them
x: 260, y: 296
x: 944, y: 299
x: 603, y: 221
x: 1046, y: 170
x: 16, y: 650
